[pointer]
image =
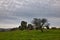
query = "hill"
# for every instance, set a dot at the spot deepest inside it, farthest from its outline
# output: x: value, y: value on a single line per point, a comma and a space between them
x: 30, y: 35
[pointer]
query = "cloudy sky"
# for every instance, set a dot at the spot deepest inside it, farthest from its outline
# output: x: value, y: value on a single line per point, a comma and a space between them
x: 12, y: 12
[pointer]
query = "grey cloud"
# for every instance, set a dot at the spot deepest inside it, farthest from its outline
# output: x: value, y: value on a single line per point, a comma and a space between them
x: 13, y: 10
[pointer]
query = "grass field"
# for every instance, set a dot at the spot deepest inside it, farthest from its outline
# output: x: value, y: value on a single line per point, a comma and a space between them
x: 30, y: 35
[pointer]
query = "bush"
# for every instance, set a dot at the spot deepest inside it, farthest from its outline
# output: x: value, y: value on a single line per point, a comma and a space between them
x: 53, y: 28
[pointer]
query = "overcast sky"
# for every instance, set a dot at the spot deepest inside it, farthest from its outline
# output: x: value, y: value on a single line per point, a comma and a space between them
x: 12, y: 12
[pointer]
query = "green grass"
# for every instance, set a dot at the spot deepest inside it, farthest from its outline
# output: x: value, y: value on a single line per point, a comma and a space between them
x: 30, y: 35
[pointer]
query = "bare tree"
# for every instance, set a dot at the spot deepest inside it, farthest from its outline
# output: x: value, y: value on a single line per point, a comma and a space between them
x: 39, y: 23
x: 36, y: 22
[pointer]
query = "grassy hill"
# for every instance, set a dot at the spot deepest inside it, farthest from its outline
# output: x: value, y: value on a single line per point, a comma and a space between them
x: 30, y: 35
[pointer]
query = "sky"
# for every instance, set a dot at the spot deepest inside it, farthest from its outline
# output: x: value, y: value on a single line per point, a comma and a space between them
x: 12, y: 12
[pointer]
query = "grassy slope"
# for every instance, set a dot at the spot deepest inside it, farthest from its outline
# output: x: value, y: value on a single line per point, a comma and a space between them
x: 30, y: 35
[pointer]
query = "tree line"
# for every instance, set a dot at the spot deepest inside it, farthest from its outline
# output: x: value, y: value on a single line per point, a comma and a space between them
x: 36, y: 23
